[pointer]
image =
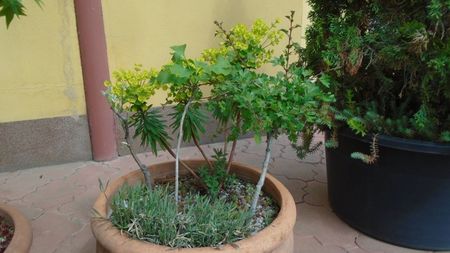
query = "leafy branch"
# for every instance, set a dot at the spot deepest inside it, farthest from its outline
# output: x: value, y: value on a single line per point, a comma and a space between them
x: 13, y: 8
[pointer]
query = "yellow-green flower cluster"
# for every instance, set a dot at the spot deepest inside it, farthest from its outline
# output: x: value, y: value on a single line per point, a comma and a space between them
x: 252, y: 45
x: 132, y: 89
x: 211, y: 54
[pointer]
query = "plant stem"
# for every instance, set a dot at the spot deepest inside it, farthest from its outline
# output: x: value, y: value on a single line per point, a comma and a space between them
x: 201, y: 150
x: 230, y: 160
x: 144, y: 169
x: 225, y: 140
x: 125, y: 125
x: 177, y: 156
x: 289, y: 45
x: 263, y: 173
x: 233, y: 147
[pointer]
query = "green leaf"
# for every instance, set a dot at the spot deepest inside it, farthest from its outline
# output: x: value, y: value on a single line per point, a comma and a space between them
x: 178, y: 53
x: 180, y: 71
x: 11, y: 8
x: 194, y: 121
x: 150, y: 128
x: 357, y: 124
x: 163, y: 76
x: 222, y: 66
x: 325, y: 80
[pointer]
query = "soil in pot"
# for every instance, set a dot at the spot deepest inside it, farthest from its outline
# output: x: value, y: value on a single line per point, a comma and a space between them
x: 6, y: 233
x: 204, y: 218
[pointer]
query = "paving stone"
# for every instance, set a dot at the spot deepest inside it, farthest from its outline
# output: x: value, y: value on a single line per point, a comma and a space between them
x: 80, y: 207
x: 372, y: 245
x: 321, y: 173
x: 50, y: 230
x: 260, y: 149
x: 22, y: 184
x: 59, y: 171
x: 317, y: 194
x: 295, y: 187
x: 125, y: 164
x: 356, y: 249
x: 309, y: 244
x: 90, y: 175
x: 5, y: 176
x: 324, y: 225
x: 53, y: 194
x: 122, y: 163
x: 209, y: 148
x: 27, y: 209
x: 80, y: 242
x: 241, y: 145
x: 149, y: 158
x: 250, y: 159
x: 283, y: 141
x: 293, y: 169
x: 290, y: 153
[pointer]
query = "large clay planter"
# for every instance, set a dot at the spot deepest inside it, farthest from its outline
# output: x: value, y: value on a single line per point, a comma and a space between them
x: 23, y: 236
x: 276, y: 238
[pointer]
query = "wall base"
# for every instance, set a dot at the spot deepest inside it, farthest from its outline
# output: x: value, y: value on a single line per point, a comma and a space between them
x: 33, y: 143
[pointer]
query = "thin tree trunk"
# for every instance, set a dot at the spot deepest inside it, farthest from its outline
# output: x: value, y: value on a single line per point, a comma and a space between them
x: 201, y: 150
x: 128, y: 142
x: 263, y: 173
x: 233, y: 147
x: 144, y: 169
x: 177, y: 156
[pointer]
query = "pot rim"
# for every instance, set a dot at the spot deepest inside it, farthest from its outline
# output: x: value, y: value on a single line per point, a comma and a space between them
x: 267, y: 239
x: 23, y: 235
x: 413, y: 145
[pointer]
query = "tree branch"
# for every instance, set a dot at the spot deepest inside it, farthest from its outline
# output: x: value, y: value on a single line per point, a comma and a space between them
x: 177, y: 156
x: 233, y: 147
x: 201, y: 150
x: 126, y: 128
x: 262, y: 178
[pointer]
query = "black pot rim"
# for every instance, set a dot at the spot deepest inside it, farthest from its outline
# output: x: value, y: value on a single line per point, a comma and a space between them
x: 412, y: 145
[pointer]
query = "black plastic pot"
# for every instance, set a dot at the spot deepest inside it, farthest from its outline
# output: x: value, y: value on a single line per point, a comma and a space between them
x: 403, y: 199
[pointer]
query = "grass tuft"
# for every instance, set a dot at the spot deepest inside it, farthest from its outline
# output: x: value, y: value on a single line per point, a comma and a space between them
x: 202, y: 221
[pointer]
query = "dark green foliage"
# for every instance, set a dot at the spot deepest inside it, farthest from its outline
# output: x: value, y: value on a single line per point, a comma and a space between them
x: 194, y: 121
x: 150, y: 127
x: 390, y: 61
x: 218, y: 177
x: 13, y: 8
x: 201, y: 222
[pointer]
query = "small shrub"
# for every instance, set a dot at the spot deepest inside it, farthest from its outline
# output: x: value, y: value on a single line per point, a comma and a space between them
x: 218, y: 177
x: 389, y: 61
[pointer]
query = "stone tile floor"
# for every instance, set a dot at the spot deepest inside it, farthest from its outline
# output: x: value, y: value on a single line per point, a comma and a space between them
x: 57, y: 199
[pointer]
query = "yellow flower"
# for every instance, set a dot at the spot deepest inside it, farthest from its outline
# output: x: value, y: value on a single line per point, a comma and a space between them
x: 126, y: 106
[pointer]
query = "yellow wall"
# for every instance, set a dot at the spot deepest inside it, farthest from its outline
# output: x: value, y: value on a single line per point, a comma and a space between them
x: 141, y: 31
x: 40, y: 64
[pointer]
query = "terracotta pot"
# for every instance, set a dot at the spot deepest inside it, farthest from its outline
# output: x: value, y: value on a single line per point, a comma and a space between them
x: 276, y: 238
x: 23, y: 236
